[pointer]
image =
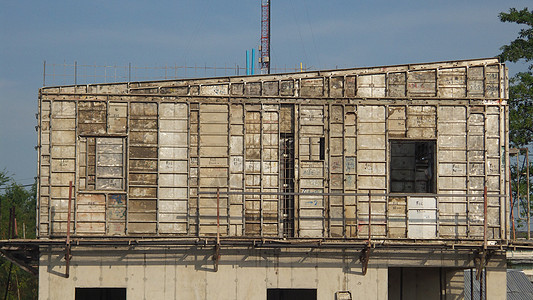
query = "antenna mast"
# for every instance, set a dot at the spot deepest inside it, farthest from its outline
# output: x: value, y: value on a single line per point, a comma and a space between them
x: 265, y: 37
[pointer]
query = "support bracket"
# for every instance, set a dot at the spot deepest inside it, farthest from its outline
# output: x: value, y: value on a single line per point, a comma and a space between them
x: 68, y: 256
x: 481, y: 258
x: 365, y: 257
x: 216, y: 256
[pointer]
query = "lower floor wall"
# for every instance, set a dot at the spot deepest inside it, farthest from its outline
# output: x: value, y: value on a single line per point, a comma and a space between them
x: 270, y: 274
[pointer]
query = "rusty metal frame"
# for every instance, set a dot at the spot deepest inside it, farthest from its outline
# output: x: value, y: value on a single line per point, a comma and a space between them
x: 365, y: 253
x: 68, y: 255
x: 517, y: 152
x: 216, y: 256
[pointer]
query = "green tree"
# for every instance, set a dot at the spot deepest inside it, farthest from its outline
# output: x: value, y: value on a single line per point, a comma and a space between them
x: 520, y: 93
x: 521, y: 89
x: 22, y: 285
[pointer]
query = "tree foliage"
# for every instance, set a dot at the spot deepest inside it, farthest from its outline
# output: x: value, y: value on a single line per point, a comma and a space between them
x: 22, y: 285
x: 521, y: 89
x: 521, y: 47
x: 520, y: 99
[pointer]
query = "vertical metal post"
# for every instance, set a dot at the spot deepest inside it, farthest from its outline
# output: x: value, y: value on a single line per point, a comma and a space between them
x: 485, y: 223
x: 252, y: 62
x: 129, y: 72
x: 8, y: 280
x: 247, y: 63
x: 472, y: 284
x: 527, y: 196
x: 44, y: 73
x: 75, y: 73
x: 518, y: 181
x: 511, y: 204
x: 218, y: 215
x: 216, y: 257
x: 67, y: 255
x: 369, y: 217
x: 481, y: 284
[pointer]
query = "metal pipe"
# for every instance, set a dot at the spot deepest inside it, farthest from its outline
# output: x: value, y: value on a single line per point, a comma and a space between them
x: 472, y: 284
x: 512, y: 205
x: 247, y: 63
x: 44, y: 73
x: 481, y: 284
x: 218, y: 215
x: 527, y: 196
x: 348, y: 194
x: 67, y: 255
x: 369, y: 217
x: 252, y: 62
x: 518, y: 181
x: 485, y: 223
x: 69, y: 209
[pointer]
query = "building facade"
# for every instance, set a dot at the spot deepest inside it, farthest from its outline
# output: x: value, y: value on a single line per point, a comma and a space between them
x: 376, y: 182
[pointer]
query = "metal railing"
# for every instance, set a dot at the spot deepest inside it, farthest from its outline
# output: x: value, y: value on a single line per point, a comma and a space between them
x: 78, y: 74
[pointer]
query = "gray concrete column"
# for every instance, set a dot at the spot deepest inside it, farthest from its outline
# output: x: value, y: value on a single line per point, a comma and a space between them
x: 496, y: 287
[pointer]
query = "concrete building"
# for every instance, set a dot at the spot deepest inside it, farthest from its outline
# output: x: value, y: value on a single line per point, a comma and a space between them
x: 365, y: 183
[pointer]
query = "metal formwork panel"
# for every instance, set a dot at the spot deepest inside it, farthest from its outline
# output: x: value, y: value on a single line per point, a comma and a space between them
x: 452, y: 83
x: 236, y: 168
x: 117, y: 117
x: 494, y: 169
x: 475, y: 146
x: 91, y: 214
x: 63, y: 162
x: 371, y: 86
x: 261, y: 169
x: 270, y: 169
x: 44, y: 169
x: 194, y: 114
x: 350, y: 169
x: 143, y: 167
x: 336, y: 170
x: 173, y: 168
x: 371, y: 168
x: 311, y: 175
x: 452, y: 171
x: 421, y: 122
x: 213, y: 167
x: 92, y: 117
x: 422, y: 215
x: 252, y: 169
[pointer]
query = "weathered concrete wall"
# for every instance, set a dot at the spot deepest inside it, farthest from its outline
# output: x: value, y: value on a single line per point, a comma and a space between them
x: 247, y: 273
x: 161, y: 274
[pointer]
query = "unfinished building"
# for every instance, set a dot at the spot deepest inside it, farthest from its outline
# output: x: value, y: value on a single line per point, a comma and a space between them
x: 361, y: 183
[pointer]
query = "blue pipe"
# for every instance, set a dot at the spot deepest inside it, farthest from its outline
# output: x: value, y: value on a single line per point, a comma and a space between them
x: 247, y: 64
x: 252, y: 63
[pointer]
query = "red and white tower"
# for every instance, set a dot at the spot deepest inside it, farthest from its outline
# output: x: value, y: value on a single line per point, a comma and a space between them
x: 264, y: 59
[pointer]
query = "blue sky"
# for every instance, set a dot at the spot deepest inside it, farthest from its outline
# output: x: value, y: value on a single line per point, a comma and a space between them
x: 320, y: 34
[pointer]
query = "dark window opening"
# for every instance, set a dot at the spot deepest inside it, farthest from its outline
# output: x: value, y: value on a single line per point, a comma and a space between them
x: 322, y: 146
x: 412, y: 166
x: 100, y: 294
x: 287, y: 183
x: 291, y: 294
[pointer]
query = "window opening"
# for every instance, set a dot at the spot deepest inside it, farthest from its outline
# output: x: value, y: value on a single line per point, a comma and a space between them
x: 412, y: 166
x: 322, y: 146
x: 291, y: 294
x: 287, y: 183
x: 100, y: 294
